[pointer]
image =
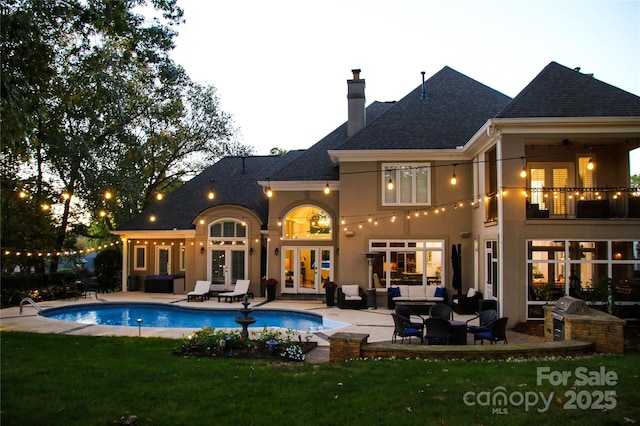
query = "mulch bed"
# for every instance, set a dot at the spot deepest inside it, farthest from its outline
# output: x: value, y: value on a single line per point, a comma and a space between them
x: 245, y: 353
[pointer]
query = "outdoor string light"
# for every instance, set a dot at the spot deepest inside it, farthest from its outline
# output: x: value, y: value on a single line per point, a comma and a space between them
x: 211, y: 195
x: 454, y: 180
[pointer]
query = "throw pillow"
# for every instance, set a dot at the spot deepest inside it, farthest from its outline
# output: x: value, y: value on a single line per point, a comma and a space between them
x: 395, y: 292
x: 440, y: 292
x: 471, y: 292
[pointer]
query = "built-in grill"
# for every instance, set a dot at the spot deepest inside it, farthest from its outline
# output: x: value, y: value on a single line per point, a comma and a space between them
x: 565, y: 305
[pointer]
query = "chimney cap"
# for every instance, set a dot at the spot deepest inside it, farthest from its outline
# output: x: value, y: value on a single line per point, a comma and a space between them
x: 356, y: 73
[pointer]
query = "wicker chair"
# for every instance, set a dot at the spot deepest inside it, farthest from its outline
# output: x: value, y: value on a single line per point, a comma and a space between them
x: 402, y: 329
x: 440, y: 310
x: 497, y: 332
x: 351, y: 298
x: 484, y: 319
x: 439, y: 331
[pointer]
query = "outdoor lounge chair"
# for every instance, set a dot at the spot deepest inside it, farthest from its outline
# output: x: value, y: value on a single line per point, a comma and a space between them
x: 201, y: 291
x: 497, y: 332
x: 467, y: 303
x: 241, y: 289
x: 351, y: 297
x: 401, y: 329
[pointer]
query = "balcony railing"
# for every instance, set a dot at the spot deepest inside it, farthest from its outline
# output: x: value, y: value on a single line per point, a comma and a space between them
x: 582, y: 203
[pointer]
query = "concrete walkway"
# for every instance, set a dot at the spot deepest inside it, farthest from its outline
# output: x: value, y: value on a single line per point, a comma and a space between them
x: 377, y: 323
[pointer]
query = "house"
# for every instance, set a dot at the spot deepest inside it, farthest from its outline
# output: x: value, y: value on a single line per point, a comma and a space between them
x: 375, y: 202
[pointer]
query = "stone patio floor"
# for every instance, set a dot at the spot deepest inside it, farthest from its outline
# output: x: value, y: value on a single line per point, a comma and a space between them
x: 377, y: 323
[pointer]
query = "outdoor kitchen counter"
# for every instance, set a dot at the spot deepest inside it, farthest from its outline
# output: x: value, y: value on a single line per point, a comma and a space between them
x: 604, y: 329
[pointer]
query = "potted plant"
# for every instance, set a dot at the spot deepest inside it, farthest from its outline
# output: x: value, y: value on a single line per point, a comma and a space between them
x: 330, y: 288
x: 271, y: 289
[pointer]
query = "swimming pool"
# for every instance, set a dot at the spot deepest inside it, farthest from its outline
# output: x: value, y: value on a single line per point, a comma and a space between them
x: 172, y: 316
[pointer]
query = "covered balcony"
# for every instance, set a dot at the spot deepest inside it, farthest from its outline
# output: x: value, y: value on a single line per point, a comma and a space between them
x: 582, y: 203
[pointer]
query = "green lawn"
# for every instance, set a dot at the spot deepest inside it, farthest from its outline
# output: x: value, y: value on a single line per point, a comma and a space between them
x: 69, y: 380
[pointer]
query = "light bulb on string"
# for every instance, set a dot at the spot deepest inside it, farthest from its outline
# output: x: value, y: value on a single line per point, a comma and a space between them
x: 523, y: 172
x: 390, y: 184
x: 454, y: 180
x: 211, y: 195
x: 269, y: 191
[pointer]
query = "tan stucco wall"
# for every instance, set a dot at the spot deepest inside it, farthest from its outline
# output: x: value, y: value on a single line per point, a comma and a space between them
x: 282, y: 203
x: 360, y: 196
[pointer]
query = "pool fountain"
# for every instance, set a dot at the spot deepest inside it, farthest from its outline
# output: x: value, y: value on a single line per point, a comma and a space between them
x: 245, y: 320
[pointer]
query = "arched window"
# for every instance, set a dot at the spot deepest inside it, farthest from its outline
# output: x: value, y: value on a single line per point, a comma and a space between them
x: 307, y: 223
x: 228, y: 229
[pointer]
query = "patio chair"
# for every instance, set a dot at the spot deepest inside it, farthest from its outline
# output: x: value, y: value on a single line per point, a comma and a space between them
x: 439, y: 331
x: 484, y: 319
x: 201, y: 291
x: 240, y: 290
x: 351, y: 297
x: 406, y: 312
x: 466, y: 303
x: 440, y: 310
x: 402, y: 330
x: 497, y: 332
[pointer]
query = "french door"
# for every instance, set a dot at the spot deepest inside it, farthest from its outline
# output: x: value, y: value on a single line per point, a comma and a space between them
x: 305, y: 269
x: 547, y: 182
x: 226, y: 266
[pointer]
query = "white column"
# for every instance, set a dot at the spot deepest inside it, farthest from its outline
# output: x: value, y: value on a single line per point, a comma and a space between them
x: 125, y: 264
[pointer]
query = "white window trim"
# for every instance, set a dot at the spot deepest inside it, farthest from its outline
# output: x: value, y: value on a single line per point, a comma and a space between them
x: 135, y: 257
x: 394, y: 167
x: 183, y: 256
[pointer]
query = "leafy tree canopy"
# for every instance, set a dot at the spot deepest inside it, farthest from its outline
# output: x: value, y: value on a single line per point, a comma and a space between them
x: 91, y: 101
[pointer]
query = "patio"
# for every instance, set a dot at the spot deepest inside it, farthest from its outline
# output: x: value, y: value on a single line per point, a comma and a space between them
x: 376, y: 323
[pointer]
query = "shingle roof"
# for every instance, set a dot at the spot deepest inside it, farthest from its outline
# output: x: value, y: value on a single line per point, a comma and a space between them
x: 314, y: 163
x: 558, y: 91
x: 235, y: 183
x: 455, y: 108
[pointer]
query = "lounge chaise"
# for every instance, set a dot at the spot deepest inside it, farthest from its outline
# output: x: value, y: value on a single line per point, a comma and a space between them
x: 240, y: 290
x: 200, y: 291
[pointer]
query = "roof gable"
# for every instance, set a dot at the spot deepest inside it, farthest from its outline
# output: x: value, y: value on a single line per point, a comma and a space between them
x: 558, y: 91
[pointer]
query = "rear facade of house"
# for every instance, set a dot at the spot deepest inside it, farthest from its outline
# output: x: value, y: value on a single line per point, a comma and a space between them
x: 542, y: 203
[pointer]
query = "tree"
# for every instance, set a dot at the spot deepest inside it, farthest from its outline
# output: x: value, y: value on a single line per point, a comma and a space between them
x: 277, y: 151
x: 91, y: 102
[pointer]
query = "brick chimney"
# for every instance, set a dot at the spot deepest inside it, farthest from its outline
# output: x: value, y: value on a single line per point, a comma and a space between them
x: 356, y: 100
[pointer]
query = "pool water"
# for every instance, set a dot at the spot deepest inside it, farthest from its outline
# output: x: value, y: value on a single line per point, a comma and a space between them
x: 170, y: 316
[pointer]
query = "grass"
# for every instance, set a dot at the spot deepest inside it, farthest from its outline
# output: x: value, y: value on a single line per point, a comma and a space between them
x: 80, y: 380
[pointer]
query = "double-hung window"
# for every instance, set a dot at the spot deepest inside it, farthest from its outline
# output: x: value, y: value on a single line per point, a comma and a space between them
x: 406, y: 184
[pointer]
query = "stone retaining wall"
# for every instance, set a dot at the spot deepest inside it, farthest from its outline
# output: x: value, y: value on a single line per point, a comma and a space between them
x: 345, y: 346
